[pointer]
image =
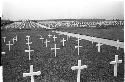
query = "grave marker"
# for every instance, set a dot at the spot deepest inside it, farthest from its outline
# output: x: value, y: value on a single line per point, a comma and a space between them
x: 31, y: 74
x: 54, y: 38
x: 116, y: 64
x: 79, y: 68
x: 14, y: 39
x: 28, y: 38
x: 49, y: 35
x: 46, y: 42
x: 4, y: 39
x: 117, y: 44
x: 41, y: 38
x: 29, y: 51
x: 63, y: 41
x: 9, y: 45
x: 93, y: 38
x: 55, y: 48
x: 99, y: 46
x: 78, y: 46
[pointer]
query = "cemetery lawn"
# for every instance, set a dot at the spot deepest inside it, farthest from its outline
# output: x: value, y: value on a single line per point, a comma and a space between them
x: 111, y: 33
x: 58, y: 69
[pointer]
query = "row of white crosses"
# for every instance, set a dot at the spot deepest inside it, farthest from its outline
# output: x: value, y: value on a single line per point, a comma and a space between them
x: 28, y: 40
x: 78, y: 46
x: 31, y: 74
x: 79, y: 67
x: 100, y: 44
x: 29, y: 49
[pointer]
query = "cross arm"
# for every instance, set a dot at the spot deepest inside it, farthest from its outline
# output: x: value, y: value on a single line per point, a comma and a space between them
x: 26, y: 74
x: 74, y: 67
x: 37, y: 73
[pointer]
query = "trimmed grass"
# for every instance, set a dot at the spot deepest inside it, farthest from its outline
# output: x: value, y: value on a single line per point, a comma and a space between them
x: 58, y: 69
x: 111, y: 34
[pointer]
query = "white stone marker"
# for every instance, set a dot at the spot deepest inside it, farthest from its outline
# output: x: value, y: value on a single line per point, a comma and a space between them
x: 14, y: 39
x: 41, y: 38
x: 4, y: 39
x: 78, y: 46
x: 49, y: 35
x: 79, y: 68
x: 63, y: 41
x: 99, y: 46
x: 115, y: 64
x: 117, y: 44
x: 55, y: 49
x: 29, y: 51
x: 93, y: 39
x: 9, y: 45
x: 54, y: 38
x: 31, y: 74
x: 28, y: 38
x: 46, y: 42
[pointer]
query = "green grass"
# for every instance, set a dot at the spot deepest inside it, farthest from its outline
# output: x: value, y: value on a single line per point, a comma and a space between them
x: 58, y: 69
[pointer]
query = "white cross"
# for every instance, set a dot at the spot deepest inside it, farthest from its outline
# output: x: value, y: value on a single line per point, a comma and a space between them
x: 55, y: 49
x: 31, y: 74
x: 28, y: 43
x: 54, y: 37
x: 79, y: 67
x: 27, y: 37
x: 78, y: 46
x: 29, y: 51
x: 93, y: 39
x: 9, y: 45
x: 14, y: 39
x: 99, y: 45
x: 117, y: 44
x: 115, y: 64
x: 49, y: 35
x: 46, y: 42
x: 4, y: 39
x: 41, y: 38
x: 63, y: 41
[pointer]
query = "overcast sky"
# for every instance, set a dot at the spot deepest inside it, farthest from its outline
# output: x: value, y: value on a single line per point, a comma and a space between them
x: 61, y: 9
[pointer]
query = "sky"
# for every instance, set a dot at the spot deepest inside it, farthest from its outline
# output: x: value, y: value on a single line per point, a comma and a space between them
x: 62, y: 9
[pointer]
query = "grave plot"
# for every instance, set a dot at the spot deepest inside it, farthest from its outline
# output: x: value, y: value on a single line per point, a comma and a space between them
x: 51, y: 68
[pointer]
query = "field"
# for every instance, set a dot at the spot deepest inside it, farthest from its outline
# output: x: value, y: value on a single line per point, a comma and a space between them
x: 58, y: 69
x: 111, y: 34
